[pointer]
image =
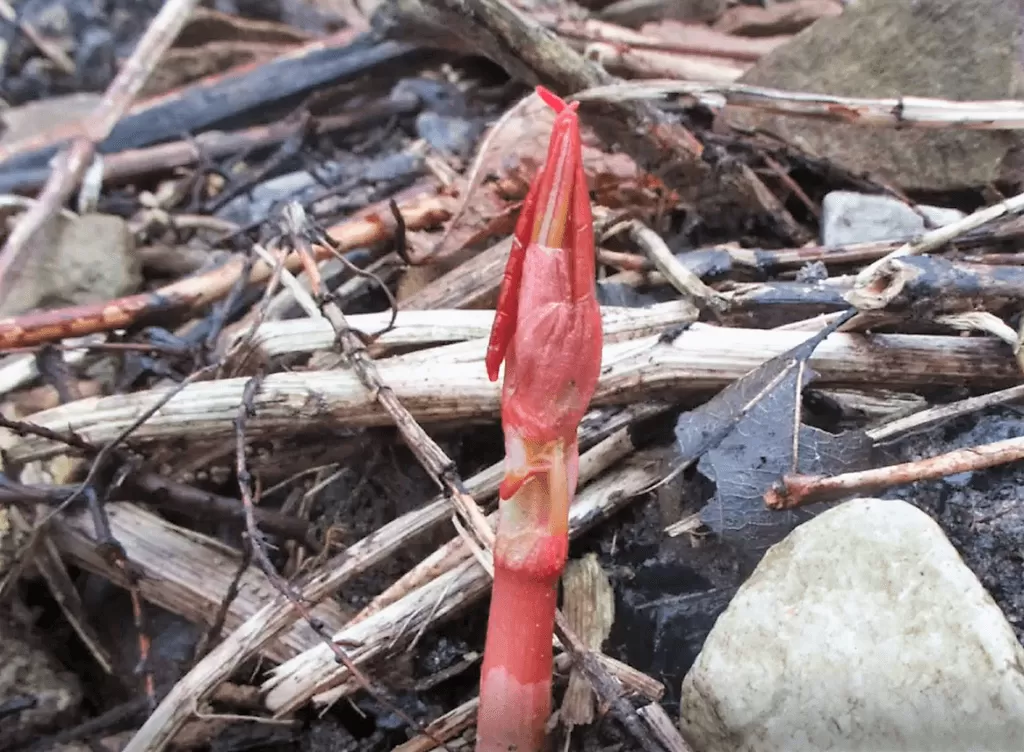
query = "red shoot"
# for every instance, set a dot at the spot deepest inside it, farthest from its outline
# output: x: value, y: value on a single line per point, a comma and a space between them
x: 547, y: 330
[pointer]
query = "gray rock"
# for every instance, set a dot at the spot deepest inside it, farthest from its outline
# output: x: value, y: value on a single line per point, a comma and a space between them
x: 27, y: 670
x: 44, y: 115
x: 950, y: 49
x: 862, y: 630
x: 87, y: 259
x: 848, y: 217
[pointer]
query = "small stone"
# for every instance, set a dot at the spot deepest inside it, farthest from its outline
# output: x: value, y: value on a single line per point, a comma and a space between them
x: 863, y: 630
x: 27, y: 670
x: 848, y: 217
x: 86, y: 259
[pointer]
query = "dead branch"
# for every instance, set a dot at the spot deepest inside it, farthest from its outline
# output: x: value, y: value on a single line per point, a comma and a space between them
x: 531, y: 53
x: 437, y: 387
x: 681, y: 278
x: 928, y: 286
x: 939, y: 413
x: 294, y: 219
x: 594, y: 461
x: 433, y: 327
x: 75, y: 160
x: 799, y: 490
x: 184, y: 572
x: 663, y: 728
x: 899, y: 112
x: 278, y: 615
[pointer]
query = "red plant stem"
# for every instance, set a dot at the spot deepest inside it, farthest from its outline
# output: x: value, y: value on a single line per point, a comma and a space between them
x: 547, y: 330
x: 517, y: 660
x: 529, y: 555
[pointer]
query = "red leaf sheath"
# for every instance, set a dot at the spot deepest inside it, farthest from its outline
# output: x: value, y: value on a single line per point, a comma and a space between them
x: 547, y: 330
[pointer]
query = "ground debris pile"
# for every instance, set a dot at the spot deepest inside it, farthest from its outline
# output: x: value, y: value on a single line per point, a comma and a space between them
x: 251, y: 456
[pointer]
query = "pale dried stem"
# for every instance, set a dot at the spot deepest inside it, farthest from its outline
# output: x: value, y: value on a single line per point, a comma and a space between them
x: 932, y: 240
x: 898, y: 112
x: 664, y: 730
x: 433, y: 327
x: 278, y: 615
x: 701, y: 359
x: 184, y: 572
x: 677, y: 275
x: 940, y: 413
x: 588, y: 601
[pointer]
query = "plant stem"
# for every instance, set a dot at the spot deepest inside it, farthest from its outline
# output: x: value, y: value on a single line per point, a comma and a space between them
x: 529, y: 555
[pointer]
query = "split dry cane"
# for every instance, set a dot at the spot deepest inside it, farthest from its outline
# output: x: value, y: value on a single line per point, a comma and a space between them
x: 547, y: 330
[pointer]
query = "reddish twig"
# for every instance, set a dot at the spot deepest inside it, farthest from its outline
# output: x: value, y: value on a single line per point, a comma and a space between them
x: 799, y: 490
x: 75, y: 160
x: 193, y: 293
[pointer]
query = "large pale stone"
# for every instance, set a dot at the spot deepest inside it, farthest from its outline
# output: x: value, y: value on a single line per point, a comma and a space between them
x: 949, y: 49
x: 862, y: 630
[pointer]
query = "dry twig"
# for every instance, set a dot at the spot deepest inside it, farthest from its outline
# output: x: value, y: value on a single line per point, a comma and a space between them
x: 703, y: 358
x: 799, y: 490
x: 899, y: 112
x: 936, y: 238
x: 192, y: 294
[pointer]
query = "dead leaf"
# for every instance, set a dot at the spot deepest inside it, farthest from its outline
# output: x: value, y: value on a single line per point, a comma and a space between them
x: 510, y: 155
x: 744, y: 440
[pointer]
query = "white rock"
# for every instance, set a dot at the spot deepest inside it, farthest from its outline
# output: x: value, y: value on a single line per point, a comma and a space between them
x: 848, y: 217
x: 864, y: 631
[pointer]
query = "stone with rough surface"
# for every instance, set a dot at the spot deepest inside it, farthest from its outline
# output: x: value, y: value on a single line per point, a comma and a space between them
x: 862, y: 631
x: 28, y: 670
x: 848, y: 217
x: 86, y: 259
x: 948, y: 49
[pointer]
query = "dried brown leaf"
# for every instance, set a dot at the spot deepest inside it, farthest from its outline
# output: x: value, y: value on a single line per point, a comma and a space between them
x: 511, y: 153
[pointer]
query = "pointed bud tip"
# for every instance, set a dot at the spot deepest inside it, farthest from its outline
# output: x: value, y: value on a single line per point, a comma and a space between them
x: 554, y: 101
